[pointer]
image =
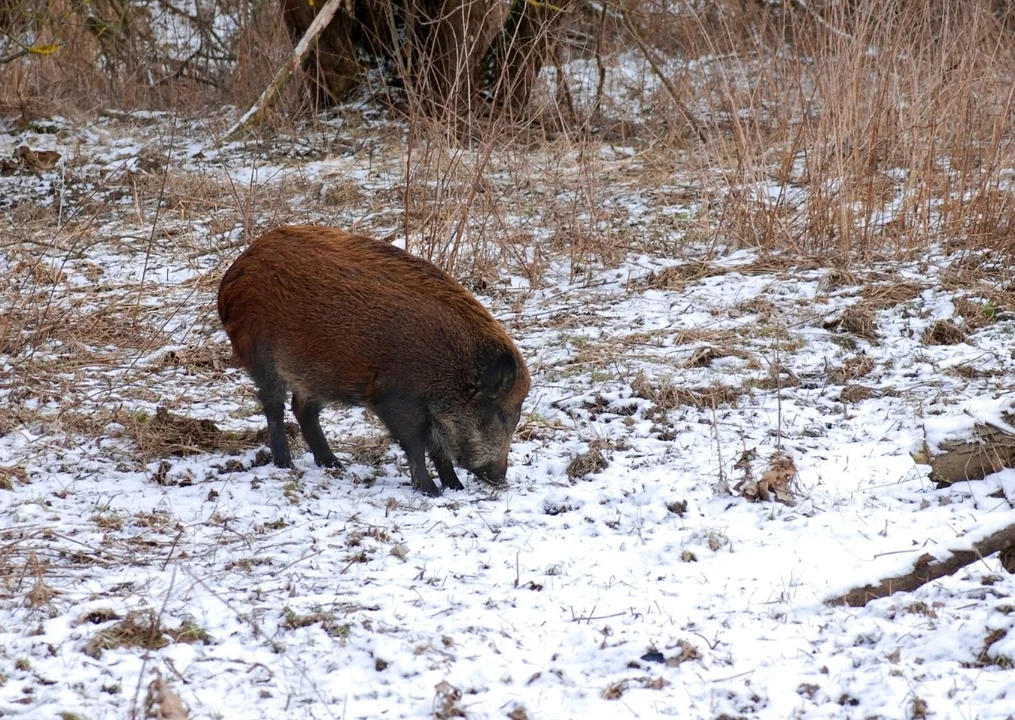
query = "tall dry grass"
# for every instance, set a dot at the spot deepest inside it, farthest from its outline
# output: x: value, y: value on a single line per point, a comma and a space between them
x: 850, y: 130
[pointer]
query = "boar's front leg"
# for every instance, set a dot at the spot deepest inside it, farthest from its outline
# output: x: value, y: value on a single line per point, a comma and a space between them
x: 445, y: 470
x: 406, y: 420
x: 308, y: 415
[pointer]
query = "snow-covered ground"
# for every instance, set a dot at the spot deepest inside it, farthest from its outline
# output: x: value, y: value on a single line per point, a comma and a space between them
x: 621, y: 574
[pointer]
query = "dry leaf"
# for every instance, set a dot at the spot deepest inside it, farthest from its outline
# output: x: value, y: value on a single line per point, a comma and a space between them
x: 37, y: 159
x: 687, y: 652
x: 774, y: 483
x: 614, y: 691
x: 161, y: 703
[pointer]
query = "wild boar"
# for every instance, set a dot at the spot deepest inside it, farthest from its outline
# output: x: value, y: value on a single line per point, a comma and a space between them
x: 336, y: 317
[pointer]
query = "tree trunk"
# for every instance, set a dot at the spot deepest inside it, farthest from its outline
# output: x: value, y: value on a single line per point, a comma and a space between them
x: 445, y: 51
x: 330, y: 65
x: 450, y: 39
x: 518, y: 54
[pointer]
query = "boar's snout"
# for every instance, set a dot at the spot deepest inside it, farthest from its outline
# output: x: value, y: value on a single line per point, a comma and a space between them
x: 494, y: 473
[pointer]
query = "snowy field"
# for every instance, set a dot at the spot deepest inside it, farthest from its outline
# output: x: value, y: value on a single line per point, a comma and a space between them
x: 627, y: 571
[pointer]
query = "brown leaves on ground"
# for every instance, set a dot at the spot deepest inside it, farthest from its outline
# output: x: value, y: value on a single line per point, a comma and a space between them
x: 685, y: 651
x: 161, y: 703
x: 774, y: 484
x: 616, y: 690
x: 984, y: 658
x: 445, y: 702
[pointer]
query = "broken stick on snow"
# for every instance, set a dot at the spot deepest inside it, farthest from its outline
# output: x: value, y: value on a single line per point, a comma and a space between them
x: 927, y: 568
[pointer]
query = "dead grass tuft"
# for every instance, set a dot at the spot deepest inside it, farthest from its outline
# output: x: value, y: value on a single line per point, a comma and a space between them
x: 944, y: 332
x: 852, y: 368
x: 167, y: 433
x: 762, y: 307
x: 859, y: 320
x: 196, y: 358
x: 853, y: 394
x: 41, y: 593
x: 294, y: 621
x: 344, y: 193
x: 587, y: 463
x: 12, y: 474
x: 669, y: 397
x: 368, y: 449
x: 677, y: 277
x: 883, y: 296
x: 975, y: 315
x: 837, y: 278
x: 142, y: 629
x: 704, y: 356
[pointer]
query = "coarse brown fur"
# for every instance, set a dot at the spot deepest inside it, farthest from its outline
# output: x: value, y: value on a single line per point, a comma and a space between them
x: 342, y: 318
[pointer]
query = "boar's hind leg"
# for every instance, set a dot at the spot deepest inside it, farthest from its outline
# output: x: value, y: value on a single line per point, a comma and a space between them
x: 406, y: 420
x: 308, y: 413
x: 445, y: 470
x: 271, y: 389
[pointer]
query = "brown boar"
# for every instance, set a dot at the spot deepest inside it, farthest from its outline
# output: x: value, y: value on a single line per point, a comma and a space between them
x: 341, y: 318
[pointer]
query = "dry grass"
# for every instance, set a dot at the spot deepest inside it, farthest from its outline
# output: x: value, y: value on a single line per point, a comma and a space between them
x: 944, y: 332
x: 668, y: 396
x: 12, y: 474
x: 140, y: 629
x: 704, y: 356
x: 166, y: 434
x: 882, y: 296
x: 842, y: 132
x: 858, y: 320
x: 587, y: 463
x: 852, y: 369
x: 975, y: 315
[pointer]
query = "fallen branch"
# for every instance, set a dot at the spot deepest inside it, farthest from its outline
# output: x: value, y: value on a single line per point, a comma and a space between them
x: 927, y: 568
x: 259, y: 109
x: 989, y: 447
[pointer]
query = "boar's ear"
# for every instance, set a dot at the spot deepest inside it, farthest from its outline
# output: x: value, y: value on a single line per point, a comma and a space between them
x: 498, y: 375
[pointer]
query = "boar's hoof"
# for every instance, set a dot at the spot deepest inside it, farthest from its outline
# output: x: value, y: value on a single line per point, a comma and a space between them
x: 283, y: 461
x: 428, y: 487
x: 453, y: 482
x: 328, y: 461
